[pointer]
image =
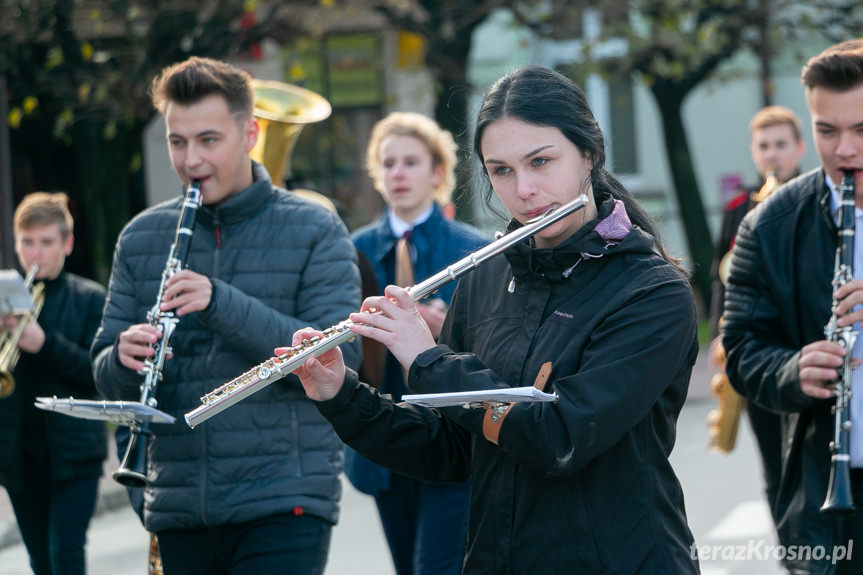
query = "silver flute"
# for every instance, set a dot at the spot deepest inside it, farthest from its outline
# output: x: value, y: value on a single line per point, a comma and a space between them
x: 280, y: 366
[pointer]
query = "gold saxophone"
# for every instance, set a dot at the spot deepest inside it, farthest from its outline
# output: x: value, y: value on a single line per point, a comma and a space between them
x: 724, y: 421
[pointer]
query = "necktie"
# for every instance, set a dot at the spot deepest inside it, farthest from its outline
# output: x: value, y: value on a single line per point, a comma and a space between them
x: 404, y: 272
x: 404, y: 267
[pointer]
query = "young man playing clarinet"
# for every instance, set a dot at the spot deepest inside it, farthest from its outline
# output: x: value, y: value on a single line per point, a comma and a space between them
x: 778, y: 302
x: 257, y: 488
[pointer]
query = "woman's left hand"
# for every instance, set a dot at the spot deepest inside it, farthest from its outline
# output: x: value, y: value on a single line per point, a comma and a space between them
x: 433, y: 311
x: 397, y: 324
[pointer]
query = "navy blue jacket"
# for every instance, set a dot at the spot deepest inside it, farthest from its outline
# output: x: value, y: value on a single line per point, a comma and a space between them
x: 278, y: 263
x: 439, y: 242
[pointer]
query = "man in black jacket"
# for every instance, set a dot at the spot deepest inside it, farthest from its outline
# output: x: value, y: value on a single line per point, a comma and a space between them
x: 778, y: 301
x: 50, y: 463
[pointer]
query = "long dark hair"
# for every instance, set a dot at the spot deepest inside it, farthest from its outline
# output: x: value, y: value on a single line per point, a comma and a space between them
x: 540, y: 96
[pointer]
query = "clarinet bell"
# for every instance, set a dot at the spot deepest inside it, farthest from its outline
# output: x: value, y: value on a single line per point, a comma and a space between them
x: 839, y: 500
x: 132, y: 471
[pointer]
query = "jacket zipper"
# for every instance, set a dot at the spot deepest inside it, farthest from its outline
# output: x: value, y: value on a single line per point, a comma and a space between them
x: 217, y: 227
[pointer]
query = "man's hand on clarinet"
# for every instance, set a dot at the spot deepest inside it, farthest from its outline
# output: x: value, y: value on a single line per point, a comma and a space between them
x: 818, y: 367
x: 135, y: 345
x: 187, y: 292
x: 850, y: 297
x: 820, y: 362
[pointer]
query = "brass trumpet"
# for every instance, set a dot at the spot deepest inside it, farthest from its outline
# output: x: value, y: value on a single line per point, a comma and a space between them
x: 9, y: 352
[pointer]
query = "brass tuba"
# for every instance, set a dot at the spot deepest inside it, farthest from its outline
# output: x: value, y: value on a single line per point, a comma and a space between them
x: 282, y: 111
x: 9, y: 338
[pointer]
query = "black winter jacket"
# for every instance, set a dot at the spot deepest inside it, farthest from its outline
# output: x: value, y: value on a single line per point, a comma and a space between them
x: 278, y: 263
x: 74, y: 448
x: 580, y: 486
x: 778, y: 300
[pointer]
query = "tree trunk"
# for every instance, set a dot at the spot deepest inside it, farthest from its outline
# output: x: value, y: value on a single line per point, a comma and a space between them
x: 449, y: 62
x: 698, y: 237
x: 111, y: 186
x: 451, y: 114
x: 7, y: 240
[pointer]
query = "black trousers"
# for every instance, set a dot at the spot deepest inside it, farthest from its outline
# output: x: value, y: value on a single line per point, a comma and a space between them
x: 287, y: 543
x: 767, y: 427
x: 425, y: 525
x: 852, y: 531
x: 53, y: 520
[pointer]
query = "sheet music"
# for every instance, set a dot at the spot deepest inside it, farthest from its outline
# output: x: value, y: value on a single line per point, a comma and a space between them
x: 476, y: 398
x: 122, y: 412
x: 14, y: 295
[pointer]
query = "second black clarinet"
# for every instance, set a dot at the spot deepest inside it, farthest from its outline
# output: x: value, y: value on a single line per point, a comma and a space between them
x: 133, y: 469
x: 839, y: 499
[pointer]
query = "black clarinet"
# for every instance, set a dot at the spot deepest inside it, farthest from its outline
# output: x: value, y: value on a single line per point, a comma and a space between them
x: 133, y: 469
x: 839, y: 499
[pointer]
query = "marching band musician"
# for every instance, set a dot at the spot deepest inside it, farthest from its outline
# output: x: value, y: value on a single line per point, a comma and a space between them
x: 50, y: 464
x: 778, y: 301
x: 412, y: 161
x: 776, y: 147
x: 593, y: 307
x: 256, y: 489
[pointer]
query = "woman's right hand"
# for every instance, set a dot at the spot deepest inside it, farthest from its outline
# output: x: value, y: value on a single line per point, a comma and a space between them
x: 322, y: 376
x: 397, y: 324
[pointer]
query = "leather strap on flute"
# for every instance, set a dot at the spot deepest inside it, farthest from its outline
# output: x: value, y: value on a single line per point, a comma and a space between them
x: 495, y: 413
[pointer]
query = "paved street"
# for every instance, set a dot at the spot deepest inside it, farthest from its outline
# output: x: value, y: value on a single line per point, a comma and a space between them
x: 118, y: 543
x: 723, y: 498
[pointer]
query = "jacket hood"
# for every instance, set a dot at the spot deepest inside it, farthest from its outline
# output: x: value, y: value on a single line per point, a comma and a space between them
x: 610, y: 232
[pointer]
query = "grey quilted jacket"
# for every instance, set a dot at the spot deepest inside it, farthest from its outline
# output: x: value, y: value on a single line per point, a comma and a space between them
x: 278, y: 263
